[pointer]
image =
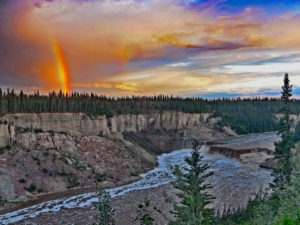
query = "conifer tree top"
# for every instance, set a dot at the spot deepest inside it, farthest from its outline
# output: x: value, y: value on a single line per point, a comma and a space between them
x: 286, y: 88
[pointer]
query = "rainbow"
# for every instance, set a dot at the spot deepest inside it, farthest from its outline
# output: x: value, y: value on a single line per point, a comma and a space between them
x: 62, y: 67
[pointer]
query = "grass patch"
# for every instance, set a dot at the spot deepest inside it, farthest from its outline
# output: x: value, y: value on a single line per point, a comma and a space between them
x: 72, y: 182
x: 31, y: 188
x: 36, y: 159
x: 100, y: 177
x: 3, y: 201
x: 2, y: 149
x: 38, y: 130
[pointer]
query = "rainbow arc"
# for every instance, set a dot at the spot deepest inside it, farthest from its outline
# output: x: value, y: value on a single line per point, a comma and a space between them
x: 62, y: 67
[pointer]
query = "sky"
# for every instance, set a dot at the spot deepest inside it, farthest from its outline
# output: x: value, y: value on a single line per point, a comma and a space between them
x: 203, y: 48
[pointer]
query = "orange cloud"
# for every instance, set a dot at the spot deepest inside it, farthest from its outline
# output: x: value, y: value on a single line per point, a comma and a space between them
x: 116, y: 33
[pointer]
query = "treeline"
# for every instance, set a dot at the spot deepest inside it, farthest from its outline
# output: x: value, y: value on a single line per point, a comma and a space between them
x: 243, y: 115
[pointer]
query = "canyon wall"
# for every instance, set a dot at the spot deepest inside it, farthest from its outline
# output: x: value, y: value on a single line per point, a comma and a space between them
x: 193, y: 125
x: 4, y: 135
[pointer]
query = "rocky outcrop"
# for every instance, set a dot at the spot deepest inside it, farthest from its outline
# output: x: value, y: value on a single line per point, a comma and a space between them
x: 81, y: 124
x: 236, y: 153
x: 270, y: 163
x: 4, y: 135
x: 253, y: 150
x: 190, y: 125
x: 39, y: 163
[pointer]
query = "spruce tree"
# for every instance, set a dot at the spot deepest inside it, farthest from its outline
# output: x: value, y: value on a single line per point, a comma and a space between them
x: 193, y: 208
x: 105, y: 214
x: 284, y: 146
x: 145, y: 213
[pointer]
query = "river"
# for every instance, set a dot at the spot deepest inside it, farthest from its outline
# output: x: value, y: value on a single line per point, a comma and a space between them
x: 232, y: 182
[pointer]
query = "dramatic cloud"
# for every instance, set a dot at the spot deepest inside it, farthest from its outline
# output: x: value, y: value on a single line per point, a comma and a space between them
x: 124, y: 47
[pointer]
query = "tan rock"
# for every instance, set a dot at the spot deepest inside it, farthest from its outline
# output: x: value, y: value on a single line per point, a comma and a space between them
x: 80, y: 123
x: 4, y: 135
x: 6, y: 185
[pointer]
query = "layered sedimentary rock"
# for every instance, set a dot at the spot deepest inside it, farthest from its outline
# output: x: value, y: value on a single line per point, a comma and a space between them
x: 80, y: 123
x: 236, y: 153
x: 190, y: 125
x: 4, y: 135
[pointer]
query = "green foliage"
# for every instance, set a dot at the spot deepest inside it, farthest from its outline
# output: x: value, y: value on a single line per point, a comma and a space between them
x: 72, y: 182
x: 288, y: 220
x: 144, y: 213
x: 194, y: 197
x: 286, y: 88
x: 99, y: 177
x: 3, y: 201
x: 284, y: 146
x: 36, y: 159
x: 297, y: 133
x: 37, y: 130
x: 258, y: 111
x: 31, y: 188
x: 282, y: 207
x: 79, y: 166
x: 2, y: 149
x: 105, y: 214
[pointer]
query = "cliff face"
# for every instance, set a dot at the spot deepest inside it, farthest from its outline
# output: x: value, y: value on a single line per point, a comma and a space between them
x: 4, y: 135
x: 191, y: 125
x: 80, y: 123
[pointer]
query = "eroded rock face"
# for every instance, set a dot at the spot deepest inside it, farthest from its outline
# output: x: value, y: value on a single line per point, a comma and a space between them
x: 4, y: 135
x: 270, y: 163
x: 170, y: 130
x: 252, y: 150
x: 46, y: 163
x: 237, y: 153
x: 80, y: 123
x: 6, y: 184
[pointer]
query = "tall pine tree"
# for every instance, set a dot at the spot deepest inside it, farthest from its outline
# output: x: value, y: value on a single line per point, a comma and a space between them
x: 193, y: 192
x: 105, y: 214
x: 284, y: 146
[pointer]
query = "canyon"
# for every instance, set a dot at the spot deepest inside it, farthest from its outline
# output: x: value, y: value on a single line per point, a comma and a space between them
x: 53, y: 155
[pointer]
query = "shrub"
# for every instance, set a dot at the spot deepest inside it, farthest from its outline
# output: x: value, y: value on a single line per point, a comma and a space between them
x: 100, y: 177
x: 105, y: 214
x: 22, y: 181
x: 3, y: 201
x: 31, y: 188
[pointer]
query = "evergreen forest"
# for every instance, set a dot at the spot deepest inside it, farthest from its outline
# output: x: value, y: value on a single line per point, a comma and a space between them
x: 244, y: 115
